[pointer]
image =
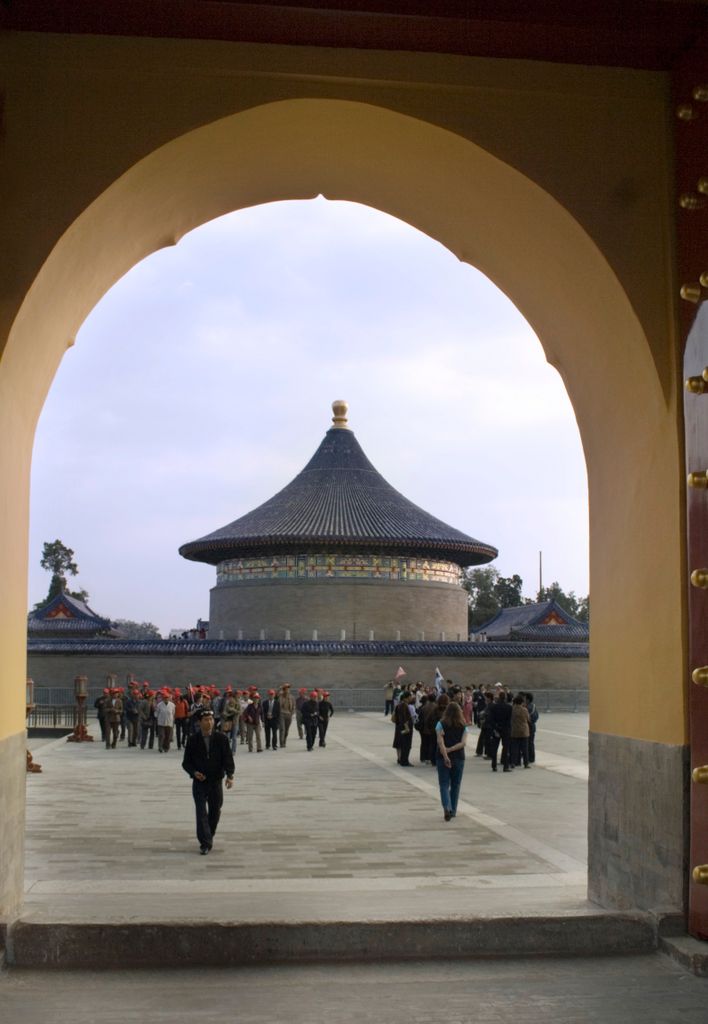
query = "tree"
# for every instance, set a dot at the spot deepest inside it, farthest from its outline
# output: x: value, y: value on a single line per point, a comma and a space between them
x: 137, y: 630
x: 579, y: 608
x: 58, y: 559
x: 488, y: 593
x: 483, y: 602
x: 507, y: 591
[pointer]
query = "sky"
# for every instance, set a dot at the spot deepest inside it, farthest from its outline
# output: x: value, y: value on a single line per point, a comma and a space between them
x: 202, y: 383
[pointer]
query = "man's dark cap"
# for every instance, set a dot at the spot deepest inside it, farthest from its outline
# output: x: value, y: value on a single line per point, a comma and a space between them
x: 204, y: 713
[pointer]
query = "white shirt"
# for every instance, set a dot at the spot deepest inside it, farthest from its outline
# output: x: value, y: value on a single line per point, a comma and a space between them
x: 165, y: 713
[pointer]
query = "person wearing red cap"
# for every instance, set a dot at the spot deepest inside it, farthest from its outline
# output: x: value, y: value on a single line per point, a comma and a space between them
x: 310, y: 718
x: 287, y: 709
x: 252, y: 718
x: 301, y: 698
x: 165, y: 716
x: 132, y: 714
x: 146, y: 711
x: 113, y: 713
x: 270, y: 715
x: 325, y: 712
x: 207, y: 759
x: 181, y: 719
x: 100, y: 705
x: 230, y: 715
x: 242, y: 697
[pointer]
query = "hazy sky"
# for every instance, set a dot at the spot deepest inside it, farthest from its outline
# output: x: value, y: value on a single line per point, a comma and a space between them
x: 202, y: 383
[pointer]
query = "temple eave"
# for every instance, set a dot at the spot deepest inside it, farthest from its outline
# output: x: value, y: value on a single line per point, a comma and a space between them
x: 216, y: 551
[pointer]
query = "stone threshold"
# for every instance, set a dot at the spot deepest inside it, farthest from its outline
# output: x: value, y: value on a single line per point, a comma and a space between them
x: 110, y: 945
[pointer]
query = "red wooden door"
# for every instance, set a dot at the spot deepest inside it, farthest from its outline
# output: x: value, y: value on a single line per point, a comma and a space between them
x: 696, y: 420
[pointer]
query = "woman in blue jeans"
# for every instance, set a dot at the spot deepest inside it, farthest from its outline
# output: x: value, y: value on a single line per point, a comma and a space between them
x: 451, y: 733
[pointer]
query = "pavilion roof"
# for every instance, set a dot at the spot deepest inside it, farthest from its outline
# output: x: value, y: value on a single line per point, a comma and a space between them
x: 66, y: 615
x: 339, y: 500
x: 541, y: 621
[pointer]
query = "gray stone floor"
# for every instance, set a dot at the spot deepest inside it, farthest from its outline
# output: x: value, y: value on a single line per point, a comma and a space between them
x: 340, y: 832
x: 622, y: 990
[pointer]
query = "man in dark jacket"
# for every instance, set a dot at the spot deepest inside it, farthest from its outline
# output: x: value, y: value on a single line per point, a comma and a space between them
x: 207, y: 759
x: 325, y: 712
x: 499, y: 718
x: 310, y: 718
x: 270, y: 713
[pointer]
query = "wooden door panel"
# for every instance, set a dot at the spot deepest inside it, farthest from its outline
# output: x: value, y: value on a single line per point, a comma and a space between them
x: 696, y: 421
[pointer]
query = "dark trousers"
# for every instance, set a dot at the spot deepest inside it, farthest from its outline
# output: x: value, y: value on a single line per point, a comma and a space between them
x: 404, y: 748
x: 181, y: 731
x: 164, y: 737
x: 520, y: 750
x: 310, y: 731
x: 532, y: 745
x: 208, y: 798
x: 427, y: 746
x: 133, y: 732
x: 388, y: 709
x: 494, y: 747
x: 147, y: 733
x: 322, y: 729
x: 112, y: 730
x: 483, y: 742
x: 271, y: 733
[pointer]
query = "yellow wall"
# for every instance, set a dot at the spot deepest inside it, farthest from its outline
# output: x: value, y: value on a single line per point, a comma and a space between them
x: 554, y: 181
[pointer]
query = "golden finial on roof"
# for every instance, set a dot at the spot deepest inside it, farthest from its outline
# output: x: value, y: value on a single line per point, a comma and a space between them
x: 340, y: 410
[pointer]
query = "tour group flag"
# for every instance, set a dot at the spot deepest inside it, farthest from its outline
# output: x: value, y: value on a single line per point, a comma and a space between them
x: 438, y: 681
x: 400, y: 673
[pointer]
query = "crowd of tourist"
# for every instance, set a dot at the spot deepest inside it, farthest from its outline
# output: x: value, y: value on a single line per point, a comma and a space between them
x: 143, y: 716
x: 442, y: 715
x: 505, y: 720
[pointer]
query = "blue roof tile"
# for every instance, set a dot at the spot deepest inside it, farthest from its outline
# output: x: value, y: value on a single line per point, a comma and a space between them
x: 521, y: 618
x: 327, y: 648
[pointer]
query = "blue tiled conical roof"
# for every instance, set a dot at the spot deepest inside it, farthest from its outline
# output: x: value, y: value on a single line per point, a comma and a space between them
x: 339, y: 500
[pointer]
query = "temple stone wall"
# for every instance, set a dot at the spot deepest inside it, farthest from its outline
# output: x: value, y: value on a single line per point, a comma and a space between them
x: 631, y: 861
x: 356, y: 606
x: 12, y: 801
x: 301, y: 670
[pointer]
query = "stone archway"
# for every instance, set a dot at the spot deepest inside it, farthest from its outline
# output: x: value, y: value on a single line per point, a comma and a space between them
x: 491, y: 215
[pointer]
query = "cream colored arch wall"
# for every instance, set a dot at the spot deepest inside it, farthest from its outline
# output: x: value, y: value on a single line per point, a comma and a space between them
x: 554, y: 181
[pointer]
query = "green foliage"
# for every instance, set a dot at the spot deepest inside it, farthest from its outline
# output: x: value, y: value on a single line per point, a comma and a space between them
x: 58, y: 559
x: 488, y: 593
x: 508, y: 591
x: 137, y: 630
x: 578, y: 607
x: 483, y: 603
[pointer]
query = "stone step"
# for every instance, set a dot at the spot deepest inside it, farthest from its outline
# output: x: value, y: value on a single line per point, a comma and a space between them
x: 175, y: 943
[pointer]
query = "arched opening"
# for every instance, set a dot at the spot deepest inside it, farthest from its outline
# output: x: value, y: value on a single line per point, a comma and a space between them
x: 487, y: 214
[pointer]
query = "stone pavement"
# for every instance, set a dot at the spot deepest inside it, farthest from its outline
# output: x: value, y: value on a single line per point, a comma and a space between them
x: 335, y: 833
x: 622, y: 990
x: 337, y: 854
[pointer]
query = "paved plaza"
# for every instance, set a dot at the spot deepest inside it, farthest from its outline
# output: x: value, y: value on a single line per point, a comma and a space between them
x: 335, y: 835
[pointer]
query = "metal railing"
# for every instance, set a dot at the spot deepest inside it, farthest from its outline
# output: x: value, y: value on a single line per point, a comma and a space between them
x: 52, y: 716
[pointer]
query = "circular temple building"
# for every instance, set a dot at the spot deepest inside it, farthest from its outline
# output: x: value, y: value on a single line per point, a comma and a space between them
x: 338, y: 554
